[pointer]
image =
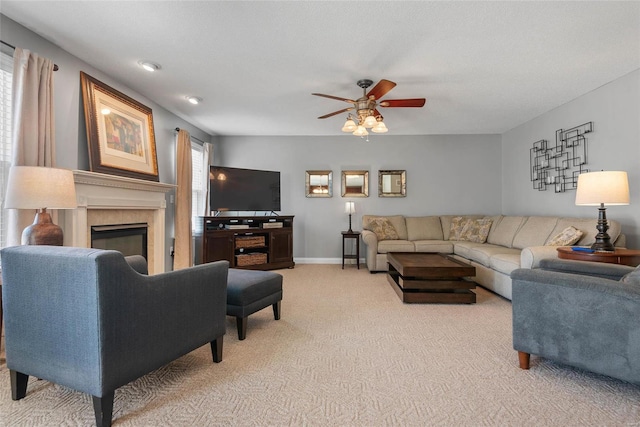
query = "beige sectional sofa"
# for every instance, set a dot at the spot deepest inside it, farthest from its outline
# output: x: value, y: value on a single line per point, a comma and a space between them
x: 512, y: 242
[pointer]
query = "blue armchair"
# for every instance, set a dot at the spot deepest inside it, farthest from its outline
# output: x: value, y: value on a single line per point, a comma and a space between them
x: 583, y: 314
x: 93, y: 321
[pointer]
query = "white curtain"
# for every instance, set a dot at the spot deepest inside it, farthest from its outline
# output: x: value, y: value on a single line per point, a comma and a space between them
x: 184, y: 241
x: 33, y: 137
x: 207, y: 160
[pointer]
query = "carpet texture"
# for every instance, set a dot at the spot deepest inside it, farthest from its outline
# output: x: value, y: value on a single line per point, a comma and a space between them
x: 347, y: 352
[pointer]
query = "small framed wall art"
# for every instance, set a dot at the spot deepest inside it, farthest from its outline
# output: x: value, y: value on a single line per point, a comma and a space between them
x: 355, y: 183
x: 319, y: 183
x: 392, y: 183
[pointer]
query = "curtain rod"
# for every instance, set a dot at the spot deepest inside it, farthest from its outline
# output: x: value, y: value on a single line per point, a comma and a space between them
x: 192, y: 137
x: 55, y: 66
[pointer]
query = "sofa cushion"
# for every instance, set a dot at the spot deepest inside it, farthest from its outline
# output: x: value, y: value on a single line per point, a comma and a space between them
x: 383, y: 228
x: 534, y: 232
x: 588, y: 227
x: 397, y: 221
x: 505, y: 231
x: 632, y: 278
x: 566, y: 237
x: 464, y: 248
x: 483, y: 253
x: 445, y: 220
x: 386, y: 246
x: 495, y: 221
x: 424, y: 228
x: 505, y: 263
x: 456, y: 227
x: 476, y: 230
x: 442, y: 246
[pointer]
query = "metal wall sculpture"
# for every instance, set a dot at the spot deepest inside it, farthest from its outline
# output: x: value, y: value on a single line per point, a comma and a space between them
x: 559, y: 166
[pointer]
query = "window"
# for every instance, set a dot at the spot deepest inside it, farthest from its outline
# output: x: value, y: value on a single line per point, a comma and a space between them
x: 197, y: 184
x: 6, y: 73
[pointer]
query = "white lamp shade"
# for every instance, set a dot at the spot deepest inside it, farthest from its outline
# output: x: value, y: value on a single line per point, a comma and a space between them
x: 350, y: 207
x: 380, y: 127
x: 360, y: 131
x: 370, y: 122
x: 606, y: 187
x: 35, y: 187
x: 349, y: 126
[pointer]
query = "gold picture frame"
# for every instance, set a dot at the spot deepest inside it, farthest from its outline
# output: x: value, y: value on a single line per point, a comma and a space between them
x: 355, y: 183
x: 319, y: 183
x: 120, y: 132
x: 392, y: 183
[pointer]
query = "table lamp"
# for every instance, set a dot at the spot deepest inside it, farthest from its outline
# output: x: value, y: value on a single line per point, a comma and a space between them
x: 41, y: 188
x: 600, y: 189
x: 350, y: 208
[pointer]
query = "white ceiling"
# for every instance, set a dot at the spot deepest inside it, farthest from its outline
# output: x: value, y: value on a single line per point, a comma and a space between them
x: 484, y: 67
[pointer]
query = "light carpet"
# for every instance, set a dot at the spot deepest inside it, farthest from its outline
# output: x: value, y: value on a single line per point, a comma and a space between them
x: 348, y: 352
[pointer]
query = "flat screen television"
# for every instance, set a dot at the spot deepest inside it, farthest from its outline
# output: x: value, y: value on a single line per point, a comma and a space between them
x: 235, y: 189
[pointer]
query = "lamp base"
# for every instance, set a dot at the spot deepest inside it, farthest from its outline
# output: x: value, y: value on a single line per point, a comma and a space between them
x: 350, y: 230
x: 603, y: 240
x: 43, y: 231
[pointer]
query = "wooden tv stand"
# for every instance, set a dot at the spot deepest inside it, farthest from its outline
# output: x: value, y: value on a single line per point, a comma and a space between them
x: 251, y: 242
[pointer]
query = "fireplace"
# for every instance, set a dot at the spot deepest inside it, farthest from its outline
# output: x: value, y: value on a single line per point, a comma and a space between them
x: 105, y: 200
x: 130, y: 239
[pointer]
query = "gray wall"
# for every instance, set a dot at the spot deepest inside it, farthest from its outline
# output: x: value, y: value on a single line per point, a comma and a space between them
x: 71, y: 138
x: 446, y: 174
x: 614, y: 144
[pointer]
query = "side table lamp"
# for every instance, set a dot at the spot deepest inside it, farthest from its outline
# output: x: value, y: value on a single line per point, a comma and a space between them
x: 350, y: 208
x: 600, y: 189
x: 41, y: 188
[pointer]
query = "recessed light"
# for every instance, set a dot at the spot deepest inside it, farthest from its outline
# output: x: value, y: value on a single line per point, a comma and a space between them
x: 194, y: 100
x: 149, y: 66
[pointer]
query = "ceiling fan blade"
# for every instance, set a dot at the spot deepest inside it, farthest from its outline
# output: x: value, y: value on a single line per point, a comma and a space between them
x: 381, y: 89
x: 334, y: 97
x: 415, y: 102
x: 336, y: 112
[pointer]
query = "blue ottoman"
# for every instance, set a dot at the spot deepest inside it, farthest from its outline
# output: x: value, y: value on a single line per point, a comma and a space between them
x: 249, y: 291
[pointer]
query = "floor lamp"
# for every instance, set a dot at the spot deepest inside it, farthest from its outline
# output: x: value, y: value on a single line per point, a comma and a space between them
x: 41, y: 188
x: 600, y: 189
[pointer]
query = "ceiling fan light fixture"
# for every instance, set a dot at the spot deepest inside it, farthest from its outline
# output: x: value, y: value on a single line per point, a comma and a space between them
x: 366, y: 114
x: 349, y: 125
x: 360, y: 131
x: 370, y: 121
x: 380, y: 127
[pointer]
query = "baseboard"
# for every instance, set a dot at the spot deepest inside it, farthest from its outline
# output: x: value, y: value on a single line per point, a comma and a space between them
x: 325, y: 261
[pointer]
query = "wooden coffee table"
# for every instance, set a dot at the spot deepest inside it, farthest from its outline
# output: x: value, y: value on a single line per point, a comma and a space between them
x: 430, y: 278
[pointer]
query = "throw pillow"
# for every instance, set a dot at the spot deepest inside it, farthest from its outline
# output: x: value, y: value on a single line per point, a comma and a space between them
x: 476, y: 230
x: 566, y: 237
x: 632, y: 278
x: 383, y: 229
x: 457, y: 226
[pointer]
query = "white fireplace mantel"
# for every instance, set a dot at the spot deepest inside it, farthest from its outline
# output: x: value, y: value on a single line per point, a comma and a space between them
x: 103, y: 196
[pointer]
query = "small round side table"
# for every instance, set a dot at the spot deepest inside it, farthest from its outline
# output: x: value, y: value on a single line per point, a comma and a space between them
x: 629, y: 257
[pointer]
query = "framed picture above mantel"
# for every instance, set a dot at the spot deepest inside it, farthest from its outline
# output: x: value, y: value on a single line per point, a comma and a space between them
x: 120, y: 132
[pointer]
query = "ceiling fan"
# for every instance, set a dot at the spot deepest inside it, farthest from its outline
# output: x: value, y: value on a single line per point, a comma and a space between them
x: 366, y: 107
